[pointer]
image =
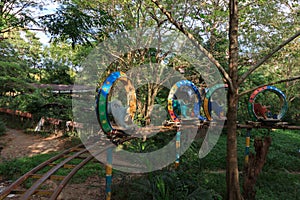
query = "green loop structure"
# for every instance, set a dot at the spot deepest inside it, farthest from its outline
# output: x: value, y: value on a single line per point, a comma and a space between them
x: 102, y: 99
x: 279, y: 93
x: 207, y: 99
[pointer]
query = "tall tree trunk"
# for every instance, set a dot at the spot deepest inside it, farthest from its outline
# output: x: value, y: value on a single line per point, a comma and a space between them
x: 232, y: 172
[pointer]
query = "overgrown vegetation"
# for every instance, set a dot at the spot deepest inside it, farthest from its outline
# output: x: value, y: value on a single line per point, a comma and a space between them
x: 195, y: 178
x: 205, y: 178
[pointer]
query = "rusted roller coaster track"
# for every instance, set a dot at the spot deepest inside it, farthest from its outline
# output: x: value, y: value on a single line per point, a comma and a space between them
x: 60, y: 161
x: 77, y: 152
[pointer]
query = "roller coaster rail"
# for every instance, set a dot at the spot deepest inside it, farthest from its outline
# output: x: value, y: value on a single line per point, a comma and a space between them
x: 70, y: 154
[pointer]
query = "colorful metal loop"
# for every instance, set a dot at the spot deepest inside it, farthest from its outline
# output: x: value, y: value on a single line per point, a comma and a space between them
x: 171, y: 97
x: 103, y: 94
x: 207, y: 100
x: 279, y: 93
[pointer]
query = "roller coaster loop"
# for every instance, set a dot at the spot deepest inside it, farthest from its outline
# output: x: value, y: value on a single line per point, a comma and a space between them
x: 171, y: 98
x: 279, y: 93
x: 207, y: 104
x: 103, y: 95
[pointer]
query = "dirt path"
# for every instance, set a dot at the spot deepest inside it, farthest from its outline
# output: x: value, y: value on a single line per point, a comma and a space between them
x: 17, y: 144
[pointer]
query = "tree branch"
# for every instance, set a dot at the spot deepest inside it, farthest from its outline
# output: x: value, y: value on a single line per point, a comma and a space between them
x: 10, y: 29
x: 159, y: 23
x: 21, y: 9
x: 272, y: 83
x: 180, y: 27
x: 8, y: 6
x: 264, y: 59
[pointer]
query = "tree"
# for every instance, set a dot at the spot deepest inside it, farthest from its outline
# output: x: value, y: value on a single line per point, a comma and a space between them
x: 232, y: 175
x: 17, y: 15
x: 18, y: 55
x: 234, y: 80
x: 12, y: 79
x: 76, y: 22
x: 55, y: 72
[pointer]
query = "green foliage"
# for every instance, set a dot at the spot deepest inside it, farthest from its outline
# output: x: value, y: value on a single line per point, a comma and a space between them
x: 151, y: 144
x: 284, y: 151
x: 77, y: 24
x: 30, y: 102
x: 15, y: 122
x: 15, y: 168
x: 263, y: 26
x: 278, y: 186
x: 41, y: 103
x: 163, y: 185
x: 56, y: 73
x: 12, y: 77
x: 16, y: 57
x: 19, y: 18
x: 205, y: 178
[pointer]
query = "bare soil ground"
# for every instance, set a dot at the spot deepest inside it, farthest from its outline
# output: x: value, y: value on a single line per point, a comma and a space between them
x: 17, y: 144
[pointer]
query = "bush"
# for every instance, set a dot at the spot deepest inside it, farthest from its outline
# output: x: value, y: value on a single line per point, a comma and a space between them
x: 2, y: 128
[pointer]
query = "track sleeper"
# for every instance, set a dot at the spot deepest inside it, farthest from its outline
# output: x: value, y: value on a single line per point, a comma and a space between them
x: 52, y: 177
x: 76, y: 149
x: 79, y: 157
x: 37, y: 192
x: 66, y: 166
